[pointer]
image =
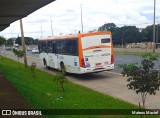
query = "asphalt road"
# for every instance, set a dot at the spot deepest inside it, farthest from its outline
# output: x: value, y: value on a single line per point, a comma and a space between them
x: 108, y: 83
x: 119, y: 59
x: 136, y: 50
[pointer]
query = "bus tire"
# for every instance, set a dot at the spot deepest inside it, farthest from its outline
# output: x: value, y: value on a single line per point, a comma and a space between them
x: 47, y: 67
x: 63, y: 70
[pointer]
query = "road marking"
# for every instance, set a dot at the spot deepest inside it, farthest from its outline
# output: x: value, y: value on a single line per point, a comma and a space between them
x: 113, y: 73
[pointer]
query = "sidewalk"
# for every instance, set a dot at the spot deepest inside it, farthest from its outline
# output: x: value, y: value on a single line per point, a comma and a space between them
x: 10, y: 99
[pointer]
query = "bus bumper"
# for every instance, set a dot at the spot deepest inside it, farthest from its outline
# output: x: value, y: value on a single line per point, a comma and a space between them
x: 94, y: 70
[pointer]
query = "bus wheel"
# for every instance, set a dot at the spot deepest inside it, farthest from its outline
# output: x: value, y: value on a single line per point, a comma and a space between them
x: 63, y: 70
x: 47, y: 67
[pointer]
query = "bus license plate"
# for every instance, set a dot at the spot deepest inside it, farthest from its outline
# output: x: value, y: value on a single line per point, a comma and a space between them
x: 98, y: 64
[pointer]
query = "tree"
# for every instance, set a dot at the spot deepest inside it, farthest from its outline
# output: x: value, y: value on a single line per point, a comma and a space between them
x: 126, y: 34
x: 116, y: 36
x: 107, y: 27
x: 9, y: 41
x: 33, y: 66
x: 2, y: 40
x: 28, y: 40
x: 147, y: 34
x: 143, y: 79
x: 35, y: 42
x: 18, y: 53
x: 61, y: 79
x: 130, y: 34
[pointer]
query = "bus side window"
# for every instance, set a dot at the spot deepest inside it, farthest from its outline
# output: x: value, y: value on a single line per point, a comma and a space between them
x: 53, y: 46
x: 43, y: 47
x: 39, y: 47
x: 46, y: 47
x: 49, y: 46
x: 61, y: 47
x: 75, y: 48
x: 71, y: 47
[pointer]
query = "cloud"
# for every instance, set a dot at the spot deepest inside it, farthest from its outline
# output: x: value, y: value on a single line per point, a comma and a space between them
x: 66, y: 16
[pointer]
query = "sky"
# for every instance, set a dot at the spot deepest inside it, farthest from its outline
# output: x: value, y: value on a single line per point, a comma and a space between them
x: 63, y: 17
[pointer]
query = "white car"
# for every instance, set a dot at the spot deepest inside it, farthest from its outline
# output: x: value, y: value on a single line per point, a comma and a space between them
x: 35, y: 50
x: 29, y: 49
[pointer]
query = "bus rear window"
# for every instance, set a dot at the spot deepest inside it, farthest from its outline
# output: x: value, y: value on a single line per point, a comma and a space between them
x: 106, y: 40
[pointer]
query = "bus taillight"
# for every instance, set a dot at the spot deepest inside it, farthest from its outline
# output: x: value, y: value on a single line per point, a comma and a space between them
x: 112, y: 59
x: 82, y: 63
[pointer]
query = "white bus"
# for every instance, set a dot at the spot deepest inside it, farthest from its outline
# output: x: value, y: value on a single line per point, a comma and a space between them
x: 81, y: 53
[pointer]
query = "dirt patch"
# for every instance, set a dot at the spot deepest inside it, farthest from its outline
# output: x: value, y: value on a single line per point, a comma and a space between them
x: 10, y: 98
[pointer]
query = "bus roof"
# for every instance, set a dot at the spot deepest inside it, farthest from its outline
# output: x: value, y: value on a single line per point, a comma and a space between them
x: 74, y: 36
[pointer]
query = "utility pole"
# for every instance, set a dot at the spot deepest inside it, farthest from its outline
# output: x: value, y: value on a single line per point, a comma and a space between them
x: 154, y: 27
x: 41, y: 31
x: 23, y: 43
x: 51, y: 25
x: 81, y: 18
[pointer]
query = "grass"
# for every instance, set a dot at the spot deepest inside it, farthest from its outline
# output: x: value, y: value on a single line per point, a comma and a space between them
x: 42, y: 92
x: 133, y: 53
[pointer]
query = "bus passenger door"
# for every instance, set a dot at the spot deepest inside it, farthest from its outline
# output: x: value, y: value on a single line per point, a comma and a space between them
x: 54, y: 55
x: 52, y: 58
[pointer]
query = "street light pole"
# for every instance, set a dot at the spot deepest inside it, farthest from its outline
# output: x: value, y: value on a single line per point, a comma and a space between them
x: 41, y: 31
x: 81, y: 18
x: 154, y: 27
x: 51, y: 25
x: 23, y: 43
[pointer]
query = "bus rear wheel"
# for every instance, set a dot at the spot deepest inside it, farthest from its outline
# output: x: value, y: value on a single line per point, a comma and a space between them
x: 63, y: 69
x: 48, y: 67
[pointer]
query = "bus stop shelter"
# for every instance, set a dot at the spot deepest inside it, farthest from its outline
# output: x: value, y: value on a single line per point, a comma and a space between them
x: 13, y: 10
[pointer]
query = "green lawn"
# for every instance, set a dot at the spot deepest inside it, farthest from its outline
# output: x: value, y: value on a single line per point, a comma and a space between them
x: 134, y: 53
x: 42, y: 92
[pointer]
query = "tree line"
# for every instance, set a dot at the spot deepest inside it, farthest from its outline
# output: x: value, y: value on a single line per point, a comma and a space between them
x: 125, y: 35
x: 130, y: 34
x: 28, y: 41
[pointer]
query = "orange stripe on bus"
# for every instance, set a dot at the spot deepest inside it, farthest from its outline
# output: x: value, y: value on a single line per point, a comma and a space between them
x: 96, y: 47
x: 74, y: 36
x: 112, y: 50
x: 58, y: 38
x: 80, y: 50
x: 95, y: 33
